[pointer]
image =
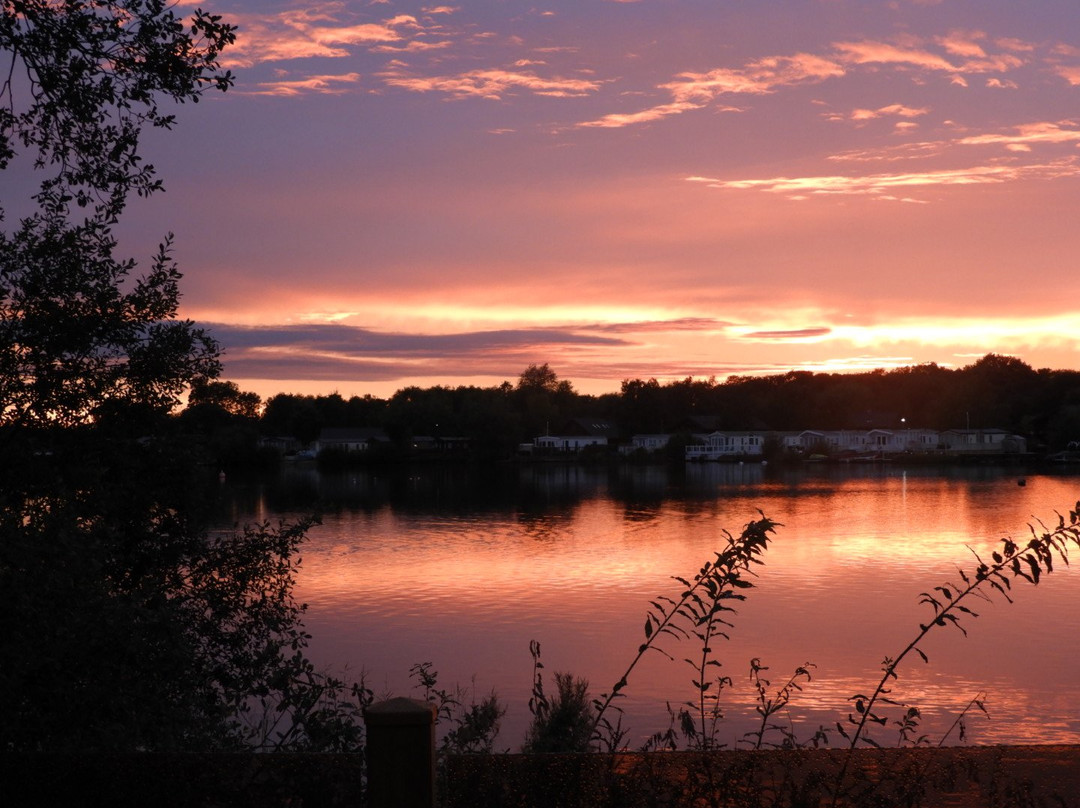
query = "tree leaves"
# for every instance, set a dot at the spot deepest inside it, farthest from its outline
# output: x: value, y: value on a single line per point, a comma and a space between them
x: 94, y: 75
x: 1009, y: 563
x: 699, y: 612
x: 74, y: 340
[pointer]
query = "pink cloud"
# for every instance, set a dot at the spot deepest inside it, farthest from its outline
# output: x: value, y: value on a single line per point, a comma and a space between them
x: 415, y: 46
x: 321, y: 85
x: 493, y: 84
x: 315, y: 31
x: 616, y: 119
x: 963, y: 44
x: 896, y: 153
x: 892, y: 110
x: 870, y: 52
x: 1018, y: 45
x: 1071, y: 73
x: 692, y: 91
x: 1028, y: 134
x: 877, y: 184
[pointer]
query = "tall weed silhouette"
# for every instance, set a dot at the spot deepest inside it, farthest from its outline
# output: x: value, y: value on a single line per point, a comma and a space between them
x: 951, y: 605
x: 702, y: 610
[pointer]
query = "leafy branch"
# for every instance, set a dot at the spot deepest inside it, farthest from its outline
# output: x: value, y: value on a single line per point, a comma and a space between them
x: 700, y: 611
x: 1009, y: 564
x: 767, y: 707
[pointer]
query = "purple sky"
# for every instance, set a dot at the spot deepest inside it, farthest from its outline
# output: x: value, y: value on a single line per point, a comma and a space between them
x: 404, y: 193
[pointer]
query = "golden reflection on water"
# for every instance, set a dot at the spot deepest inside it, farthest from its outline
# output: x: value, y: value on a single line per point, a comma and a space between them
x: 839, y: 589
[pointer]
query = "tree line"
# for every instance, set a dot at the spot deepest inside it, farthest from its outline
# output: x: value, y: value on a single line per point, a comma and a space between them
x: 994, y: 392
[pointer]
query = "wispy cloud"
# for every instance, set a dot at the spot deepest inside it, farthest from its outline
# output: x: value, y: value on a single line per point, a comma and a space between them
x: 322, y: 30
x: 647, y: 326
x: 615, y: 120
x: 957, y: 54
x: 353, y: 342
x: 964, y: 53
x: 892, y: 153
x: 881, y: 184
x: 890, y: 111
x: 690, y: 91
x: 1026, y: 135
x: 797, y: 334
x: 493, y: 84
x: 325, y: 85
x: 873, y: 52
x: 964, y: 43
x: 1071, y: 73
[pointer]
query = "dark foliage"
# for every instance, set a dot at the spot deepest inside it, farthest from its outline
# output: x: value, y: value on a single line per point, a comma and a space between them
x: 125, y: 623
x: 994, y: 392
x: 83, y: 79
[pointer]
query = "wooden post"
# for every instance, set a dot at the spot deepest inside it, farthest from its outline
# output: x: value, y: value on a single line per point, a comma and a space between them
x: 401, y: 754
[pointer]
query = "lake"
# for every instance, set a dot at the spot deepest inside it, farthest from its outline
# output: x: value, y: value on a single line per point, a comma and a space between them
x: 462, y: 568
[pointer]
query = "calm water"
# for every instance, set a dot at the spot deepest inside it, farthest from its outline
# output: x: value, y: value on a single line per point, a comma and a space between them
x: 462, y: 570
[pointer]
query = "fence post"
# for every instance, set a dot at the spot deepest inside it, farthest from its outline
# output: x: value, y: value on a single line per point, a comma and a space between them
x: 401, y: 754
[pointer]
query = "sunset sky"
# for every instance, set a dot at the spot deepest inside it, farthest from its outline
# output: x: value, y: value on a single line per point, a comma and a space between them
x: 402, y: 193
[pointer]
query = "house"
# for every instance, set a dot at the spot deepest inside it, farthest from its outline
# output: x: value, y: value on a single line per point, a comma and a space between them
x: 981, y: 442
x: 567, y: 443
x: 805, y: 441
x: 577, y: 434
x: 282, y: 444
x: 727, y: 445
x: 919, y: 440
x: 847, y: 442
x: 350, y: 439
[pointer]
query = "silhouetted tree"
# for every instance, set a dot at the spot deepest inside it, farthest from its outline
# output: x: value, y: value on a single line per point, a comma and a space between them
x: 124, y: 622
x: 226, y: 395
x: 538, y: 377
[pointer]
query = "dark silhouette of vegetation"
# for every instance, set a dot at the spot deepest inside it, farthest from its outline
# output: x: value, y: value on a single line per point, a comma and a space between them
x: 995, y: 392
x: 702, y: 611
x: 125, y: 623
x: 465, y: 728
x: 1012, y: 563
x: 564, y: 722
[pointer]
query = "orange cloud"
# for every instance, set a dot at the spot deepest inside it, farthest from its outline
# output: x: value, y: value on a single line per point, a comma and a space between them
x: 691, y: 91
x: 761, y: 76
x: 897, y: 110
x: 415, y: 46
x: 975, y: 59
x: 315, y: 31
x: 905, y: 151
x: 617, y: 119
x: 879, y: 184
x: 1027, y: 134
x: 322, y: 85
x: 963, y: 44
x: 870, y: 52
x: 1018, y: 45
x: 1071, y: 74
x: 493, y: 84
